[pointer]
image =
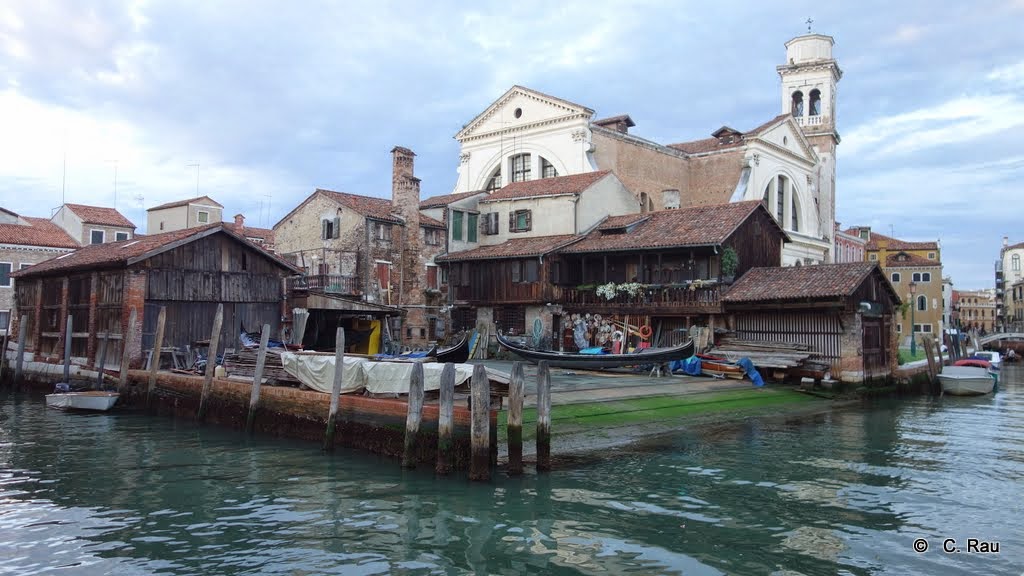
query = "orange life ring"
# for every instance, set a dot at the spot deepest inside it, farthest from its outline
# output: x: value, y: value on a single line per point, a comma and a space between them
x: 645, y: 332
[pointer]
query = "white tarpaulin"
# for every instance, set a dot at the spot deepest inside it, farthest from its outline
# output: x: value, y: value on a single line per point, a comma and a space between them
x: 316, y: 371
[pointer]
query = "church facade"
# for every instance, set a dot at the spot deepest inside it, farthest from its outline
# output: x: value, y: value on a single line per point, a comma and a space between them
x: 788, y: 162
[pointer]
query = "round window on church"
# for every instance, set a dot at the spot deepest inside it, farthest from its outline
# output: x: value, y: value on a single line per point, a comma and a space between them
x: 785, y: 140
x: 518, y: 112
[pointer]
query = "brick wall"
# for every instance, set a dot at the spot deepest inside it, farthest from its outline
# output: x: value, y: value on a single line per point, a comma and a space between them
x: 643, y: 169
x: 16, y: 257
x: 713, y: 178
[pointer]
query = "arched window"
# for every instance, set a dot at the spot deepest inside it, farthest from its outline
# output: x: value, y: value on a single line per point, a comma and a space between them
x: 815, y: 102
x: 646, y: 204
x: 520, y: 167
x: 798, y: 104
x: 922, y: 303
x: 546, y: 169
x: 1015, y: 263
x: 895, y: 276
x: 795, y: 220
x: 780, y: 197
x: 494, y: 182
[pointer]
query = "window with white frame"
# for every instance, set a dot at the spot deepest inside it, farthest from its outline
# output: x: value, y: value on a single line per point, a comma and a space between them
x: 1015, y: 263
x: 931, y: 255
x: 97, y: 236
x: 895, y: 276
x: 917, y: 277
x: 5, y: 320
x: 873, y: 257
x: 521, y: 167
x: 926, y: 277
x: 120, y: 236
x: 922, y: 303
x: 546, y: 169
x: 203, y: 217
x: 5, y: 274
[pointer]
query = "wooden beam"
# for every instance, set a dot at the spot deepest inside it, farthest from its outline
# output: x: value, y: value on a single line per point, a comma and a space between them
x: 515, y: 420
x: 126, y: 341
x: 339, y: 366
x: 414, y: 413
x: 211, y: 362
x: 257, y: 379
x: 154, y: 355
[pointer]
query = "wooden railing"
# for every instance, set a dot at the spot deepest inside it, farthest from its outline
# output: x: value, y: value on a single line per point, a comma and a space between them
x: 506, y: 293
x: 653, y: 298
x: 324, y: 283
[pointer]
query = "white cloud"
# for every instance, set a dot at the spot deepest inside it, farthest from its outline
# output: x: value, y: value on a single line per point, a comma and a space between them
x: 1012, y: 74
x: 907, y: 34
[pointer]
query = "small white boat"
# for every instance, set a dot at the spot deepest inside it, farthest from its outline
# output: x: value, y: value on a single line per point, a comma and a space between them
x: 966, y: 380
x: 89, y: 400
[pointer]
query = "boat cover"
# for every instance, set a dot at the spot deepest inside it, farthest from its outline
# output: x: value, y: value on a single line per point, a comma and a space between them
x: 317, y: 372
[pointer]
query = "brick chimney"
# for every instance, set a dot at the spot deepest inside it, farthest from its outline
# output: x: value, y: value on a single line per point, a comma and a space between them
x: 239, y: 222
x: 405, y: 189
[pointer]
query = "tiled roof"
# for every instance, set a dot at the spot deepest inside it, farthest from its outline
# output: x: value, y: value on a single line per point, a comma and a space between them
x: 431, y: 222
x: 573, y: 184
x: 265, y: 234
x: 378, y: 208
x: 39, y: 232
x: 446, y: 199
x: 206, y: 199
x: 615, y: 120
x: 100, y: 215
x: 117, y: 254
x: 714, y: 144
x: 514, y: 248
x: 1016, y: 246
x: 908, y: 261
x: 697, y: 226
x: 618, y: 222
x: 896, y: 244
x: 800, y: 282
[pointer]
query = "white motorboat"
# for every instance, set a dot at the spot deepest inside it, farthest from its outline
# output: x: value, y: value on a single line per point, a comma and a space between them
x: 88, y: 400
x: 966, y: 380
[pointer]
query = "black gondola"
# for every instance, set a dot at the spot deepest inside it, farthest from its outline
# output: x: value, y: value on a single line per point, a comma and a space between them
x: 598, y: 361
x: 457, y: 354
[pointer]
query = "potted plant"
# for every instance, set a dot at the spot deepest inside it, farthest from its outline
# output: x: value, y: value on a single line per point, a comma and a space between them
x: 729, y: 262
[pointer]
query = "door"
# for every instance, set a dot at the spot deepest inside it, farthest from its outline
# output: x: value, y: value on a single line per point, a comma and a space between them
x: 874, y: 347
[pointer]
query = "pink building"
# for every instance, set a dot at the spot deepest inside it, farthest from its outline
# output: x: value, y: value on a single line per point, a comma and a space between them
x: 849, y: 247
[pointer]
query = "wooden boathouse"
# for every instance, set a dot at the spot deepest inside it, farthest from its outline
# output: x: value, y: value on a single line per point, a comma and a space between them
x: 188, y: 272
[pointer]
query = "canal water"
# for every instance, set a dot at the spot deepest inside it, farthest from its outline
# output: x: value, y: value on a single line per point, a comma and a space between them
x: 844, y: 493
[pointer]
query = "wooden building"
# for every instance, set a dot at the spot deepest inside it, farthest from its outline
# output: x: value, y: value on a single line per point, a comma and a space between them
x: 843, y: 312
x: 188, y: 271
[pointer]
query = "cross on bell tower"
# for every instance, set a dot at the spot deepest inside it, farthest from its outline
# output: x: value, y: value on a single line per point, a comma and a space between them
x: 809, y: 22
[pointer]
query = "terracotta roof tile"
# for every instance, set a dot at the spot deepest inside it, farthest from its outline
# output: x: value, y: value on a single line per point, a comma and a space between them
x: 604, y: 122
x: 905, y: 260
x: 117, y: 254
x: 896, y: 244
x: 177, y: 203
x: 378, y: 208
x: 39, y: 232
x: 1016, y: 246
x: 446, y: 199
x: 800, y: 282
x: 265, y: 234
x: 100, y: 215
x: 697, y: 226
x: 431, y: 222
x: 705, y: 145
x: 514, y: 248
x: 573, y: 184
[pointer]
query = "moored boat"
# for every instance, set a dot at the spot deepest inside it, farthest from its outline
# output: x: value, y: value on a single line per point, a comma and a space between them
x: 966, y: 380
x: 89, y: 400
x: 598, y: 361
x: 457, y: 354
x: 720, y: 367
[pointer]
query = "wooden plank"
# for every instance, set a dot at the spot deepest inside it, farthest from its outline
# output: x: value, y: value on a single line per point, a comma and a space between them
x: 257, y: 379
x: 154, y: 357
x: 211, y: 362
x: 543, y: 416
x: 413, y: 416
x: 339, y: 365
x: 515, y: 420
x: 926, y: 343
x: 19, y: 361
x: 101, y: 361
x: 126, y: 341
x: 445, y: 427
x: 480, y: 435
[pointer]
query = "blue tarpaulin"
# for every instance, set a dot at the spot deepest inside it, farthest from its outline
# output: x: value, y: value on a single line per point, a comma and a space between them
x: 752, y: 373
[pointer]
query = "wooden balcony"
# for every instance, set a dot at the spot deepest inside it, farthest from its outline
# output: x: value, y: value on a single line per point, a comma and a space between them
x: 505, y: 293
x: 655, y: 299
x: 324, y: 284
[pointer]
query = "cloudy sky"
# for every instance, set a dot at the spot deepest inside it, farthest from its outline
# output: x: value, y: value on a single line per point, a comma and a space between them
x: 273, y: 99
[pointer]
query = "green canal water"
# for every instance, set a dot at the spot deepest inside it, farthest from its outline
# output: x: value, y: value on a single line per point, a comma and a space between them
x: 843, y: 493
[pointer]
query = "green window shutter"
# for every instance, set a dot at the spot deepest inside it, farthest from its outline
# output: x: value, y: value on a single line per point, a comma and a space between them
x: 471, y: 227
x: 457, y: 225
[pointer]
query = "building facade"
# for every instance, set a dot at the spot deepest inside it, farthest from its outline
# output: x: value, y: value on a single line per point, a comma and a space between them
x: 93, y: 224
x: 788, y: 162
x: 183, y: 214
x: 849, y: 247
x: 1009, y: 271
x: 977, y: 309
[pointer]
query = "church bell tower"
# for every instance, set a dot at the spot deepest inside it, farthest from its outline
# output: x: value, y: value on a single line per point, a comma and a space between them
x: 809, y: 79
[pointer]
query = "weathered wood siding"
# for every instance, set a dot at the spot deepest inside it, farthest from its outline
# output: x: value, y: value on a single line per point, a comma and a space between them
x: 492, y: 282
x: 757, y: 242
x: 213, y: 269
x: 188, y: 322
x: 822, y: 331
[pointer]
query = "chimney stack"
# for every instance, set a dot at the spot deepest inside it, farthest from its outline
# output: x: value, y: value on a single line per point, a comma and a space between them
x: 1006, y: 241
x: 405, y: 188
x: 239, y: 222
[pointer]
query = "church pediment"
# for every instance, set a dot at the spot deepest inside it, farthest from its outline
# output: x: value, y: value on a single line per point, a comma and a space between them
x: 785, y: 134
x: 520, y: 108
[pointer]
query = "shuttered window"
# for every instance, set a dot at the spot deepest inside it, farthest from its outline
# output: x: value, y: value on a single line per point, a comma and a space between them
x: 471, y: 227
x: 519, y: 221
x: 456, y: 225
x: 432, y: 277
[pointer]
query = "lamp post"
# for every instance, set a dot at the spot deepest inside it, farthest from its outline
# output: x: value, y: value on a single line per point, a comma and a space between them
x: 913, y: 307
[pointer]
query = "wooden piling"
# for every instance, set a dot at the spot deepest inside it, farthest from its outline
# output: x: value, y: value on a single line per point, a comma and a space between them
x: 339, y: 365
x: 413, y: 415
x: 154, y: 355
x: 257, y: 379
x: 20, y: 360
x: 126, y: 344
x: 543, y: 416
x: 445, y: 417
x: 480, y: 434
x: 67, y: 349
x: 211, y: 362
x: 515, y: 420
x: 3, y: 350
x: 101, y: 359
x: 927, y: 345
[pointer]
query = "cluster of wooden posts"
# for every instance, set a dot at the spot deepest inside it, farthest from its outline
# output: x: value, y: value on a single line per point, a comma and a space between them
x: 933, y: 352
x: 480, y: 403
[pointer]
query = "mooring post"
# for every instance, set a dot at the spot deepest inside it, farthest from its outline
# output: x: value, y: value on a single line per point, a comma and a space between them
x: 101, y: 360
x: 413, y: 415
x: 515, y: 420
x: 67, y: 350
x: 339, y: 366
x: 480, y: 423
x: 543, y: 416
x: 19, y: 361
x: 3, y: 351
x: 257, y: 379
x: 445, y: 416
x: 211, y: 362
x: 154, y: 355
x: 126, y: 342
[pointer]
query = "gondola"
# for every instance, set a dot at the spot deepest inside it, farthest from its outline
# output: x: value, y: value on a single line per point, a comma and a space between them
x: 598, y: 361
x: 457, y: 354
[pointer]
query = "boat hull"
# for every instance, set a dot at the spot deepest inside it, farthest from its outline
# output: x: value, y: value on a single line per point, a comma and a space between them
x: 599, y: 361
x: 95, y: 401
x: 457, y: 354
x: 966, y: 381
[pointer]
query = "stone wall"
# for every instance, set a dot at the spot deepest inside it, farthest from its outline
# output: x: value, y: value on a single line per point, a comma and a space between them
x: 16, y: 257
x: 713, y: 178
x: 646, y: 170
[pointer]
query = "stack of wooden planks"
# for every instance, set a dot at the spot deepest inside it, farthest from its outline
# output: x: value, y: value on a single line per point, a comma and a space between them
x: 773, y: 355
x: 243, y: 363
